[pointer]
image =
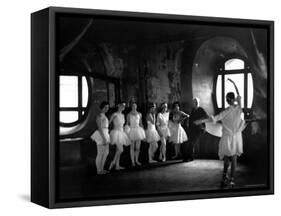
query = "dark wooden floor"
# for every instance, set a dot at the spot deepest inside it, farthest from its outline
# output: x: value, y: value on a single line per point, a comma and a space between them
x: 172, y: 176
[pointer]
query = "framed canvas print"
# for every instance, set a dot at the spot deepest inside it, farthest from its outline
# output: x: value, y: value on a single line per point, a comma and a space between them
x: 139, y: 107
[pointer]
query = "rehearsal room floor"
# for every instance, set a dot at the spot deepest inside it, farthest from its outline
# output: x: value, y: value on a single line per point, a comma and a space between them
x: 171, y: 176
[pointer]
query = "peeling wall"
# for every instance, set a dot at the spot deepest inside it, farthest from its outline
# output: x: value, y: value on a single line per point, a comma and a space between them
x: 147, y: 74
x: 122, y: 62
x: 114, y: 64
x: 163, y: 72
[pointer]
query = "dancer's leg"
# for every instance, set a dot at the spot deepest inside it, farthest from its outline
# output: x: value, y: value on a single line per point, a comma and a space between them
x: 163, y: 148
x: 118, y: 153
x: 160, y: 150
x: 132, y: 153
x: 179, y: 149
x: 175, y: 151
x: 98, y: 158
x: 113, y: 162
x: 233, y: 166
x: 154, y: 149
x: 225, y: 169
x: 151, y: 152
x: 233, y: 169
x: 138, y: 144
x: 104, y: 156
x: 225, y: 165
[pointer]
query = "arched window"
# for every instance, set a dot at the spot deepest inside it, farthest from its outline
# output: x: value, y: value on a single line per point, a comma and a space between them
x: 240, y: 73
x: 75, y: 93
x: 234, y: 64
x: 74, y: 96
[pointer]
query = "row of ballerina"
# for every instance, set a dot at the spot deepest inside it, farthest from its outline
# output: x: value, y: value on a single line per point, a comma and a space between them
x: 131, y: 133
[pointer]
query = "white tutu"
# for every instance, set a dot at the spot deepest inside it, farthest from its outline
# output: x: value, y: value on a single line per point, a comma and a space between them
x: 162, y: 122
x: 178, y: 134
x: 165, y: 131
x: 96, y: 136
x: 136, y: 133
x: 151, y: 133
x: 119, y: 137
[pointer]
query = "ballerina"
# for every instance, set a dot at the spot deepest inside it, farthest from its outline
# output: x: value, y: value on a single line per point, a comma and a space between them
x: 152, y: 136
x: 231, y: 142
x: 163, y: 129
x: 136, y: 133
x: 178, y: 134
x: 117, y: 136
x: 101, y: 137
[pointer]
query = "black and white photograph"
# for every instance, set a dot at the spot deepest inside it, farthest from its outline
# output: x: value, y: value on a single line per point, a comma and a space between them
x: 160, y: 106
x: 140, y: 108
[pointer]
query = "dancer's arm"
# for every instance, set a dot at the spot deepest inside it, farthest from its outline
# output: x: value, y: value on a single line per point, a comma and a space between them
x: 128, y: 119
x: 236, y: 89
x: 201, y: 121
x: 204, y: 117
x: 216, y: 118
x: 148, y: 119
x: 184, y: 115
x: 238, y: 99
x: 158, y: 125
x: 98, y: 121
x: 112, y: 117
x: 141, y: 120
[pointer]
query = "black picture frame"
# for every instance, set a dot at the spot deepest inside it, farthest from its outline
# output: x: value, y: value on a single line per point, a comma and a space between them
x: 44, y: 114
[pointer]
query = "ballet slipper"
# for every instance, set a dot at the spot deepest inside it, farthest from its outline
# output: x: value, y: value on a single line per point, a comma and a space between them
x: 152, y: 161
x: 231, y: 183
x: 119, y: 168
x: 98, y: 172
x: 225, y: 180
x: 111, y: 166
x: 103, y: 172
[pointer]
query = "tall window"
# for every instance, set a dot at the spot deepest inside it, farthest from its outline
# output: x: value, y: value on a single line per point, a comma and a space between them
x: 236, y: 70
x: 74, y: 94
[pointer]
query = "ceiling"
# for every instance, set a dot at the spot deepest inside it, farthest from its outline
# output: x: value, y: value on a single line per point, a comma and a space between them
x: 136, y: 31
